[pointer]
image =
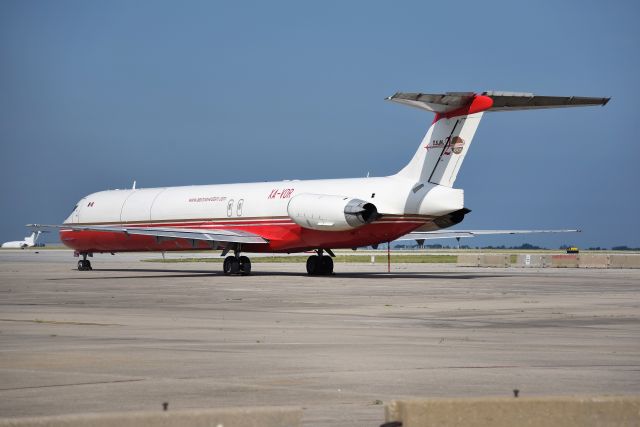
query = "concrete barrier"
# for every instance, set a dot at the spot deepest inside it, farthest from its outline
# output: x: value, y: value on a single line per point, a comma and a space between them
x: 469, y: 260
x: 564, y: 261
x: 584, y: 260
x: 533, y: 261
x: 624, y: 261
x: 509, y: 412
x: 495, y: 260
x: 593, y: 260
x: 484, y: 260
x: 232, y: 417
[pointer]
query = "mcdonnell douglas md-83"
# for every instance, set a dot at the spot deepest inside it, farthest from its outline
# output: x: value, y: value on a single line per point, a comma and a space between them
x: 418, y: 202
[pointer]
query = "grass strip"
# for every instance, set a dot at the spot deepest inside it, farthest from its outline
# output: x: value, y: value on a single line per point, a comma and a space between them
x: 379, y: 259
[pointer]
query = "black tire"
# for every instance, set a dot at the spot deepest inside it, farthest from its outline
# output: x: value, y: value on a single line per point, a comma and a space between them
x: 313, y: 266
x: 230, y: 265
x: 245, y: 266
x: 327, y: 265
x: 84, y: 265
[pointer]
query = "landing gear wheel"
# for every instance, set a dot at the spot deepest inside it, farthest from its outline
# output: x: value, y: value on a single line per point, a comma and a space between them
x: 312, y: 265
x: 231, y: 265
x: 245, y: 265
x: 84, y: 265
x: 327, y: 265
x: 319, y: 266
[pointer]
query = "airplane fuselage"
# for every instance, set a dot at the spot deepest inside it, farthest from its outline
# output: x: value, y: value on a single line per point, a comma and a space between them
x: 258, y: 208
x: 18, y: 244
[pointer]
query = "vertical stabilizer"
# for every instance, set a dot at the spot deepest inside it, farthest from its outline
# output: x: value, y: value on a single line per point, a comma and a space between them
x: 31, y: 240
x: 442, y: 151
x: 458, y: 114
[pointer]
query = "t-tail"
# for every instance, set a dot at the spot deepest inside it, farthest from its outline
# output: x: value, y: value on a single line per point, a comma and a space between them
x: 444, y: 147
x: 33, y: 239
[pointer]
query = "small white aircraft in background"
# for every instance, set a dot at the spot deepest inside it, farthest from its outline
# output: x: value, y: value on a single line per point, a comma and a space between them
x: 28, y: 242
x: 297, y: 216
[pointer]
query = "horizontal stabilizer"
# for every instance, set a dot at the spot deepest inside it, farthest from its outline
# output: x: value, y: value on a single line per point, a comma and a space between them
x: 502, y: 101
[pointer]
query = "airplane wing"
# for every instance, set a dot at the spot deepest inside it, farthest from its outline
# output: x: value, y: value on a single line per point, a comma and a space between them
x: 210, y: 235
x: 457, y: 234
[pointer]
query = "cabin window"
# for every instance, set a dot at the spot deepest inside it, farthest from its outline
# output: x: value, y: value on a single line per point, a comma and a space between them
x: 239, y: 207
x: 230, y: 208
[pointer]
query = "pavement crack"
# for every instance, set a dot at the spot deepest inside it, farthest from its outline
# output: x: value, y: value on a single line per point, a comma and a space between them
x: 60, y: 322
x: 72, y: 384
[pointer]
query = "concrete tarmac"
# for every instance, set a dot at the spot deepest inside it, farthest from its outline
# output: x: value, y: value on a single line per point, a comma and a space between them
x: 131, y: 335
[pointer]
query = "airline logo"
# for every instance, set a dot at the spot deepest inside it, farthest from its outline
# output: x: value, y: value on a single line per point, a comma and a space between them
x: 456, y: 146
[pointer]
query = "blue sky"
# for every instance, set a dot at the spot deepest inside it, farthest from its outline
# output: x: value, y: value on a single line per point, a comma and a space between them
x: 97, y: 94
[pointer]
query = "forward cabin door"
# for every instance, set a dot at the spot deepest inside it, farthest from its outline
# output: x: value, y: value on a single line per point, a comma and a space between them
x: 75, y: 216
x: 137, y: 207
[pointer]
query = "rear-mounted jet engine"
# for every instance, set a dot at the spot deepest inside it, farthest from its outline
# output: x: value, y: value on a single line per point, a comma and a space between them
x: 331, y: 213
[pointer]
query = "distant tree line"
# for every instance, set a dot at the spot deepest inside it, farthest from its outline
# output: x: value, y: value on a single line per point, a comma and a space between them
x: 524, y: 246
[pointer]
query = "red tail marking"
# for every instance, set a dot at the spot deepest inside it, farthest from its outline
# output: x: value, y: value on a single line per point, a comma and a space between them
x: 478, y: 103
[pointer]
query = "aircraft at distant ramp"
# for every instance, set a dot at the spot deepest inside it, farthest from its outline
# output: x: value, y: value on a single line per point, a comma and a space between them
x: 28, y: 242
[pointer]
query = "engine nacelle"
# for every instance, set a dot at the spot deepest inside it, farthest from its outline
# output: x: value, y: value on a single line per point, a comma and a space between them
x: 331, y: 213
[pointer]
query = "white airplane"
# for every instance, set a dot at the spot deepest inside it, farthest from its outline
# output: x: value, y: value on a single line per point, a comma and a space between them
x: 28, y: 242
x: 296, y: 216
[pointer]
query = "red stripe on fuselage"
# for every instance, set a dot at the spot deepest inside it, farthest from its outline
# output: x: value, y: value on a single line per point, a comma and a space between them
x: 282, y: 237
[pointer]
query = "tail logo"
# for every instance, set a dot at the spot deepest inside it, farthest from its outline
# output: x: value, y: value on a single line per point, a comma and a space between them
x: 457, y: 145
x: 454, y: 145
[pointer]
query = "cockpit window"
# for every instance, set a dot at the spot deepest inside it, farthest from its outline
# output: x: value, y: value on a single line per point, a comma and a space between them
x: 74, y: 209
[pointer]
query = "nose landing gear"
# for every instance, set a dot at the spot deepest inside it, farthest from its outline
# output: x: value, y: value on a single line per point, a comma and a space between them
x: 84, y: 264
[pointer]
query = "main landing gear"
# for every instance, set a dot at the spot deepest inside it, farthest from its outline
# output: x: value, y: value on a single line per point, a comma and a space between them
x: 320, y: 265
x: 84, y: 264
x: 236, y: 264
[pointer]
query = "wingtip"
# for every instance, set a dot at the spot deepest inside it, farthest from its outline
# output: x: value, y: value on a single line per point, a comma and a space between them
x: 392, y: 97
